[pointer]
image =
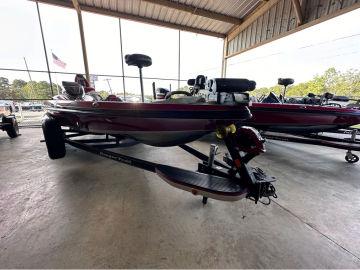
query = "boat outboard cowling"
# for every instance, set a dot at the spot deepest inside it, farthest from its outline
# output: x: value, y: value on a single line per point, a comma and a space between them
x: 73, y: 90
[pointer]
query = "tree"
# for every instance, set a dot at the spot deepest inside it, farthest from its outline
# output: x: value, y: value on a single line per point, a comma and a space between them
x: 17, y: 87
x: 37, y: 90
x: 333, y: 81
x: 4, y: 88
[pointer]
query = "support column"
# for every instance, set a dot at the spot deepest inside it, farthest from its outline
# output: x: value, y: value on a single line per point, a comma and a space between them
x: 82, y: 37
x: 224, y: 59
x: 122, y: 58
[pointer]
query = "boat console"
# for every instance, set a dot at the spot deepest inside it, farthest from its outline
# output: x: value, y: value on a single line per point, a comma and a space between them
x: 222, y: 90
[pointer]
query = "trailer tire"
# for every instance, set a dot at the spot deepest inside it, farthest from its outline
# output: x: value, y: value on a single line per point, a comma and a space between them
x: 54, y: 138
x: 13, y: 128
x: 352, y: 158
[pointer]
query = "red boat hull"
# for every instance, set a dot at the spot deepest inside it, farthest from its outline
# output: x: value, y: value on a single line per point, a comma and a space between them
x: 295, y: 118
x: 158, y: 124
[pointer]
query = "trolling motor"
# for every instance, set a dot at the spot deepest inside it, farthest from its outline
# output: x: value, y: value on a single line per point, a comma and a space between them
x: 139, y: 60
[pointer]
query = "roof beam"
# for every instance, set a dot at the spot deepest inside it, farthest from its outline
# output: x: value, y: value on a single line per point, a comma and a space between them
x: 298, y: 13
x: 127, y: 16
x: 196, y: 11
x: 266, y: 5
x: 305, y: 25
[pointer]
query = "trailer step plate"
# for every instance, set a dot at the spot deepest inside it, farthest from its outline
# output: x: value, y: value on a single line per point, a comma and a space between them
x: 210, y: 186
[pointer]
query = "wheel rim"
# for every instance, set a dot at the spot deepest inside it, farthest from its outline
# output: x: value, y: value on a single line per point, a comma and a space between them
x: 352, y: 158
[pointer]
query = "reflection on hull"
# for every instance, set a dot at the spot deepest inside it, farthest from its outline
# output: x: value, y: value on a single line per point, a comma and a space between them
x: 299, y: 129
x: 169, y: 138
x: 300, y: 119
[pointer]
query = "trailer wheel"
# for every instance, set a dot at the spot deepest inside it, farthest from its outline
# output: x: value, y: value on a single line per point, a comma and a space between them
x: 351, y: 158
x: 13, y: 128
x: 54, y: 138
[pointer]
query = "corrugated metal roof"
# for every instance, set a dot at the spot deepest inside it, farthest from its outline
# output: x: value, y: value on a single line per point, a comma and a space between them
x: 214, y: 17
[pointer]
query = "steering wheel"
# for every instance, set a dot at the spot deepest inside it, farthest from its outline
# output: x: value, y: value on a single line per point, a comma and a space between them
x: 181, y: 92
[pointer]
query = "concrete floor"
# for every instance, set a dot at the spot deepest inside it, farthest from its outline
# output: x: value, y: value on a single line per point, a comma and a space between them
x: 84, y: 211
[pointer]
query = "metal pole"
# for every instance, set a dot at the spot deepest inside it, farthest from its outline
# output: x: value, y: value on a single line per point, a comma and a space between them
x: 31, y: 86
x: 141, y: 85
x: 107, y: 79
x: 179, y: 64
x: 43, y: 40
x: 224, y: 59
x: 27, y: 68
x: 154, y: 90
x: 122, y: 58
x: 83, y: 45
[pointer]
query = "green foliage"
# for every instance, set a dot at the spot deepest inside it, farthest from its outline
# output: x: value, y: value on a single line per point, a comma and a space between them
x: 20, y: 89
x: 333, y: 81
x: 103, y: 94
x: 5, y: 91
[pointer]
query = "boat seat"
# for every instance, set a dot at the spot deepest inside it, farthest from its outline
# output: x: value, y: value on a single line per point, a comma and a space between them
x: 73, y: 90
x: 285, y: 81
x: 229, y: 85
x: 139, y: 60
x: 183, y: 100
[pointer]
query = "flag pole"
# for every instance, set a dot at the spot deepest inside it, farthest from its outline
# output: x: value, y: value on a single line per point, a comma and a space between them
x: 56, y: 75
x: 122, y: 59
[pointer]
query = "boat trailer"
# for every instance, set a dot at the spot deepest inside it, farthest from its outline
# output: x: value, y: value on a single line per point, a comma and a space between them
x: 228, y: 181
x: 350, y: 144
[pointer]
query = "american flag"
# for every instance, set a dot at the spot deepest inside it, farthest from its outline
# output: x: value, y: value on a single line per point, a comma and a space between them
x: 58, y: 62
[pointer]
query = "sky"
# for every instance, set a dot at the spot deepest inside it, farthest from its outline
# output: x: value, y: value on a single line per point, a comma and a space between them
x: 334, y: 43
